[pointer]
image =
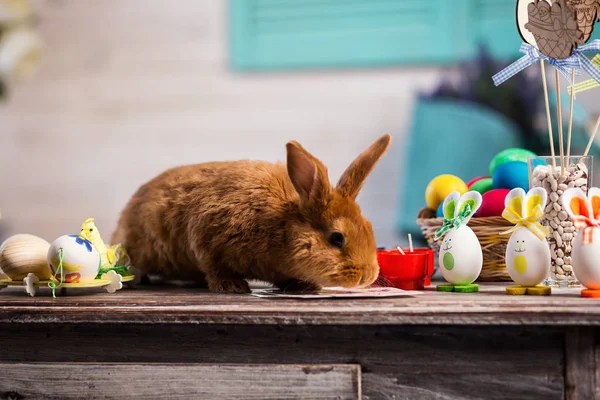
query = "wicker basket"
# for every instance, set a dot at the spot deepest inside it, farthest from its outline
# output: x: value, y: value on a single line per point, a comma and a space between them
x: 488, y: 230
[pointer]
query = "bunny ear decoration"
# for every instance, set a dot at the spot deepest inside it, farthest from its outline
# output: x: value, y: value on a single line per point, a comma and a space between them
x: 594, y: 203
x: 458, y: 210
x: 580, y: 208
x: 524, y: 210
x: 534, y: 203
x: 575, y: 203
x: 513, y: 203
x: 449, y: 205
x: 472, y: 200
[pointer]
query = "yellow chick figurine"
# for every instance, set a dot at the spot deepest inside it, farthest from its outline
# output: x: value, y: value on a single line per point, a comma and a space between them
x: 90, y: 232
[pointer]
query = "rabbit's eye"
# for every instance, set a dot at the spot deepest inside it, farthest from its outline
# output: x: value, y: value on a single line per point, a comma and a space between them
x: 337, y: 239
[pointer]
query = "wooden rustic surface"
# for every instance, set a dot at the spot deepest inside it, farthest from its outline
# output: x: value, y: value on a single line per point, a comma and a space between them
x: 397, y: 362
x: 582, y: 363
x: 156, y: 304
x: 176, y: 381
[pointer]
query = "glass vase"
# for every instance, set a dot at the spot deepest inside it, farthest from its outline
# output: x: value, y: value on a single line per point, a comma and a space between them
x: 547, y: 172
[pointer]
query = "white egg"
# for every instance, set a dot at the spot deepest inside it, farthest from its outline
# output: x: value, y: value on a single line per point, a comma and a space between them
x: 81, y: 260
x: 585, y: 260
x: 527, y: 258
x: 460, y: 256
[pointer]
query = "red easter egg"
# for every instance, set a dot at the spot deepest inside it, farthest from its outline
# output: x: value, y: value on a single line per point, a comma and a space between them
x: 492, y: 204
x: 472, y: 181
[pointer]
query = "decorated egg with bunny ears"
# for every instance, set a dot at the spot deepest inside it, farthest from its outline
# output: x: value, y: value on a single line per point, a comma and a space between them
x: 527, y: 254
x: 460, y: 255
x: 585, y: 213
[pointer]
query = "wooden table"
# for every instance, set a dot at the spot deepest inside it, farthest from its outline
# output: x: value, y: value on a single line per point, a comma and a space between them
x: 159, y: 342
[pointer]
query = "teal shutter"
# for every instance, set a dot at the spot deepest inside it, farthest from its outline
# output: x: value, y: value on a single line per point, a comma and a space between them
x: 297, y: 34
x: 280, y: 34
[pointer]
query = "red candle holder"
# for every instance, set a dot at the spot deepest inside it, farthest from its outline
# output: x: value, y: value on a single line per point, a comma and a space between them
x: 408, y: 271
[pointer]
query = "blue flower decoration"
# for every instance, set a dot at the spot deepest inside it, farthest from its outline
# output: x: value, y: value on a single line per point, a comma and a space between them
x: 83, y: 242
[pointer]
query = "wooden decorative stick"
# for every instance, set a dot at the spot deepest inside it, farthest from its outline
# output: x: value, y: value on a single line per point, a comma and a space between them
x: 410, y: 242
x: 589, y: 146
x: 560, y: 127
x: 570, y: 117
x: 550, y: 136
x: 401, y: 251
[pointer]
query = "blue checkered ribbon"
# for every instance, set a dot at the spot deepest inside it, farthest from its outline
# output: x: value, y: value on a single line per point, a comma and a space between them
x: 576, y: 61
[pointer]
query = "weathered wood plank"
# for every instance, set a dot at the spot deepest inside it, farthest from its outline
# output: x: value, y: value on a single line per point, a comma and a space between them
x: 406, y: 362
x: 581, y: 364
x: 142, y: 381
x: 186, y: 305
x: 450, y: 386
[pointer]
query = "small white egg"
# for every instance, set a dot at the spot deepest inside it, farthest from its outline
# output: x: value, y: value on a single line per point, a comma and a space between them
x: 460, y: 258
x: 527, y: 258
x: 585, y: 259
x: 81, y: 261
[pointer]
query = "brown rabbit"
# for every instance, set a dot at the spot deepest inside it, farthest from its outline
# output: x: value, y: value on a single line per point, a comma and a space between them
x: 224, y: 222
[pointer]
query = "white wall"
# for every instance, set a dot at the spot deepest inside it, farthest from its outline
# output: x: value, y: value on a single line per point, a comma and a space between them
x: 129, y: 88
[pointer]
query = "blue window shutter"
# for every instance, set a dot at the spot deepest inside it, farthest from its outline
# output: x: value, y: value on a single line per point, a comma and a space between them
x: 285, y: 34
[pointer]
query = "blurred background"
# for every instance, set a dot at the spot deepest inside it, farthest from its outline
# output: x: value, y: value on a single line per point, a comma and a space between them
x: 100, y: 96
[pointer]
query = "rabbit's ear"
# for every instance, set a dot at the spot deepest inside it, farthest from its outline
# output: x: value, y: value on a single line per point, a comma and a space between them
x: 514, y: 201
x: 594, y: 202
x: 355, y: 175
x: 308, y: 174
x: 449, y: 205
x: 536, y: 197
x: 473, y: 199
x: 575, y: 203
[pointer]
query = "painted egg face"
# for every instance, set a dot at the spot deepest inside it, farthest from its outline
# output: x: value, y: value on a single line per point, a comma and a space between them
x: 585, y: 260
x: 80, y: 262
x: 527, y: 258
x: 460, y: 256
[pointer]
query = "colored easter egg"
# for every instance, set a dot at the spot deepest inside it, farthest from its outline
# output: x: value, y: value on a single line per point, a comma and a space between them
x: 22, y: 254
x: 81, y: 260
x: 440, y: 187
x: 483, y: 185
x: 511, y: 175
x: 440, y: 211
x: 492, y: 203
x: 509, y: 155
x: 474, y: 180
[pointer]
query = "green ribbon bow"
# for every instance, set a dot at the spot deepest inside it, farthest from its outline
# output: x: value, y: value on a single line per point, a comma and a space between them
x: 453, y: 222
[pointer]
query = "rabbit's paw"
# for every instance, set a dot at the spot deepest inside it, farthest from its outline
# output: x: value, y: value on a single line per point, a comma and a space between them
x: 293, y: 285
x: 228, y: 286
